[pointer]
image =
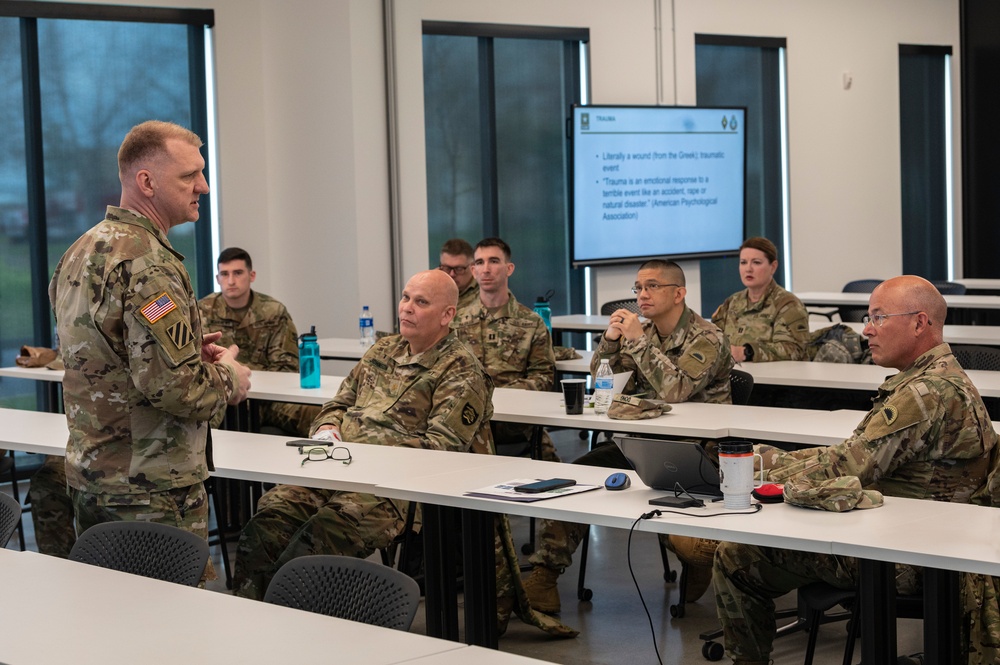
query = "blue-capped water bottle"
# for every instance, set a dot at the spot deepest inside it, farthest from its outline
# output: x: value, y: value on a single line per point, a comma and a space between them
x: 543, y: 310
x: 366, y: 327
x: 309, y: 359
x: 604, y: 387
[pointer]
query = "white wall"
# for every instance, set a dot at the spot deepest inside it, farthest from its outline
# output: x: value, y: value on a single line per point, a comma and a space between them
x: 302, y: 128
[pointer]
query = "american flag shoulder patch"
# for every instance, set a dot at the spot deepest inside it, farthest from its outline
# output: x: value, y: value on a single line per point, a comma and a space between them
x: 159, y: 308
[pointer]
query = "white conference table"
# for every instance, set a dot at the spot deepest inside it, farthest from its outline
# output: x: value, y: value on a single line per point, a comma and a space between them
x: 837, y: 298
x: 846, y: 376
x: 980, y: 284
x: 908, y: 531
x: 897, y: 532
x: 196, y: 620
x: 340, y: 348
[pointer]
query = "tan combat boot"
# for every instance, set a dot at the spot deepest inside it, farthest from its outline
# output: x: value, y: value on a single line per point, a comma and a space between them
x: 697, y: 554
x: 542, y: 589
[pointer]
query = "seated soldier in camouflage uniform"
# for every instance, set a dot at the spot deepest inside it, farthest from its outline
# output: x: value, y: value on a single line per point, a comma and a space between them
x: 676, y: 356
x: 928, y: 436
x: 422, y: 389
x: 264, y: 331
x: 510, y: 340
x: 763, y: 322
x: 456, y: 260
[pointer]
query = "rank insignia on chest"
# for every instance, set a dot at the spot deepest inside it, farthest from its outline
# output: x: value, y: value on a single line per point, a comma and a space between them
x: 492, y: 337
x: 469, y: 414
x: 159, y: 308
x: 890, y: 413
x: 180, y: 334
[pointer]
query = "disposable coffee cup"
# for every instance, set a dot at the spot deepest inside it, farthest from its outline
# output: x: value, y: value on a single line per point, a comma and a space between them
x: 736, y: 476
x: 573, y: 394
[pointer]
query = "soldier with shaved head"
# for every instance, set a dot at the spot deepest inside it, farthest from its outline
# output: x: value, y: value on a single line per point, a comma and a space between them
x: 928, y: 436
x: 422, y: 389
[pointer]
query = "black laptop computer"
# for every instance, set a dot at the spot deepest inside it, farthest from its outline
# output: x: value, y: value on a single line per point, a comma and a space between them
x: 672, y: 465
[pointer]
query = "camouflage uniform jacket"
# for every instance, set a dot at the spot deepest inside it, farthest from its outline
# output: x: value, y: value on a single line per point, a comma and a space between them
x: 468, y: 297
x: 776, y: 326
x: 438, y: 399
x: 513, y: 344
x: 136, y: 392
x: 928, y: 436
x: 266, y: 335
x: 690, y: 365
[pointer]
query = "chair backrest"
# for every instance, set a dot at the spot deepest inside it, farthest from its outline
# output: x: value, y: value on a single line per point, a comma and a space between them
x: 149, y: 549
x: 10, y: 513
x: 971, y: 356
x: 855, y: 314
x: 740, y: 386
x: 631, y: 304
x: 950, y: 288
x: 347, y: 588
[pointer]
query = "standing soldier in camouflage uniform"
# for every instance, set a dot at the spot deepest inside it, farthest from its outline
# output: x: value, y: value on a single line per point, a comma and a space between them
x: 676, y: 356
x: 141, y: 382
x: 928, y: 436
x: 262, y: 328
x: 421, y: 389
x: 763, y: 322
x: 510, y: 340
x: 456, y: 260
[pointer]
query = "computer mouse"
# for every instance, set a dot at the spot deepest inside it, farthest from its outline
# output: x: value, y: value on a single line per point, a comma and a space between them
x: 770, y: 493
x: 617, y: 481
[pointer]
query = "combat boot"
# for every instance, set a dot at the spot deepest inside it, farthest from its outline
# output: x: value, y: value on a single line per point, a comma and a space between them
x: 697, y: 555
x: 542, y: 589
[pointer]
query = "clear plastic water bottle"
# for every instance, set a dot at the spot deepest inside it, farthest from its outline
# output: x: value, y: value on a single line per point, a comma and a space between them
x: 543, y: 310
x: 309, y: 359
x: 604, y: 388
x: 366, y: 326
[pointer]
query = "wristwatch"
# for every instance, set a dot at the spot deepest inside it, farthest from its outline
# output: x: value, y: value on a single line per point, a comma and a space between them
x: 748, y: 352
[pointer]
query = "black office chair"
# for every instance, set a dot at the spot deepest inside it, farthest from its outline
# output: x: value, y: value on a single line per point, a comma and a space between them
x: 631, y: 304
x: 740, y: 386
x: 855, y: 314
x: 346, y: 588
x: 949, y: 288
x: 10, y: 517
x: 971, y: 356
x: 8, y: 471
x: 160, y: 551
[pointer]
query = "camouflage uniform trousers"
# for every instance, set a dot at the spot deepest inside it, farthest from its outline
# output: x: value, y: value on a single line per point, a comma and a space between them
x: 293, y: 419
x: 748, y: 578
x: 294, y: 521
x: 559, y: 540
x: 183, y: 507
x: 52, y: 508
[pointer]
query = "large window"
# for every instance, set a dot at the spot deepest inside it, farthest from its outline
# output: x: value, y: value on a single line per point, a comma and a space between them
x: 925, y: 161
x: 749, y: 71
x: 73, y: 80
x: 496, y: 100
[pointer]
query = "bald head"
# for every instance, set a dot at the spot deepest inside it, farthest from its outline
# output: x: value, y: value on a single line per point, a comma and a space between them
x: 426, y: 309
x: 914, y: 325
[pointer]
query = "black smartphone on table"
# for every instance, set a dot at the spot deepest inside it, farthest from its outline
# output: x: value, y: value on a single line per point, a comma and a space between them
x: 545, y: 485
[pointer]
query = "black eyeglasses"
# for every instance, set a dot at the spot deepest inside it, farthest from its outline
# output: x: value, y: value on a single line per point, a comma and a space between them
x: 338, y: 453
x: 458, y: 270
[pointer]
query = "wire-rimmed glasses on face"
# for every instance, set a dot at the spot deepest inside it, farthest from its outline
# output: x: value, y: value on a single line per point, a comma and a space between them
x: 652, y: 287
x: 320, y: 454
x: 878, y: 320
x: 458, y: 270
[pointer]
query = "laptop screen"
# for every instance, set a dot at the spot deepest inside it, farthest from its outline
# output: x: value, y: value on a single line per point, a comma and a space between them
x: 664, y: 464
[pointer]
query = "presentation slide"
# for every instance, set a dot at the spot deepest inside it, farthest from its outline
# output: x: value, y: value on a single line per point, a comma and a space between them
x: 657, y: 181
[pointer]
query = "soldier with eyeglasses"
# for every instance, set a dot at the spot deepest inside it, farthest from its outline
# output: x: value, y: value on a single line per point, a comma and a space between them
x: 927, y: 436
x: 456, y: 260
x: 674, y: 356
